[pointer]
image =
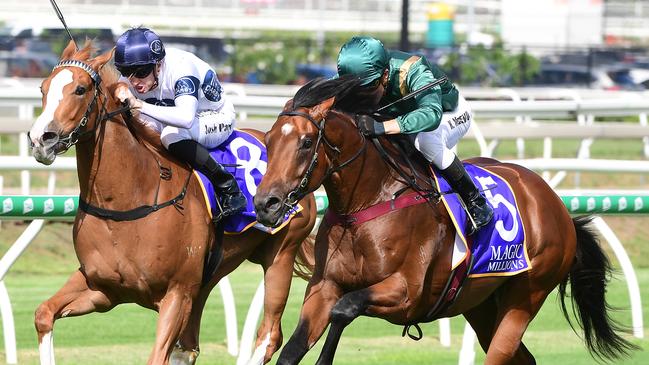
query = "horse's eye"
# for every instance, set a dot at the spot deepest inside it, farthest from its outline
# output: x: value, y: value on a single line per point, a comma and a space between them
x: 80, y: 90
x: 307, y: 143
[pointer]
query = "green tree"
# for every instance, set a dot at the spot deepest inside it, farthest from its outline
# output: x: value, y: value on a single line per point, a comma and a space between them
x: 494, y: 66
x: 272, y: 61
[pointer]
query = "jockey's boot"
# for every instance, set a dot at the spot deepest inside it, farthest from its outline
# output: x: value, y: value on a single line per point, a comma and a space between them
x: 225, y: 185
x: 232, y: 199
x: 480, y: 213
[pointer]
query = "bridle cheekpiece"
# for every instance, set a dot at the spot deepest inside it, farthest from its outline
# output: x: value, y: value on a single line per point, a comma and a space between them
x: 77, y: 132
x: 295, y: 195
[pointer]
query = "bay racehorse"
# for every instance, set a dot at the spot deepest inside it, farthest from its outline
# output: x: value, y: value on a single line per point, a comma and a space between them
x: 395, y: 263
x: 143, y: 234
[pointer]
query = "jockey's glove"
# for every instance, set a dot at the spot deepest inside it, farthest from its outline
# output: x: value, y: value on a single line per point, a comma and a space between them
x: 369, y: 126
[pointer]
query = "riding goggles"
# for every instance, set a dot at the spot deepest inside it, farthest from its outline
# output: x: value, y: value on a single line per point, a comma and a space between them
x: 139, y: 72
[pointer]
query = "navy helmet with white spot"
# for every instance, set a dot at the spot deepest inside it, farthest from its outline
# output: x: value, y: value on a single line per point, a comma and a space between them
x: 138, y: 46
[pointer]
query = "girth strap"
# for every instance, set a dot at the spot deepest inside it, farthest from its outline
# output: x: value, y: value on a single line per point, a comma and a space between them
x: 136, y: 213
x: 128, y: 215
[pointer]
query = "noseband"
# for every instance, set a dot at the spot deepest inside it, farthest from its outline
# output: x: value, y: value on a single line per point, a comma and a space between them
x: 295, y: 195
x: 78, y: 131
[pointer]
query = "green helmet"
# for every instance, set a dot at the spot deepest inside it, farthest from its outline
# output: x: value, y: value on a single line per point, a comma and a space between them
x: 364, y: 57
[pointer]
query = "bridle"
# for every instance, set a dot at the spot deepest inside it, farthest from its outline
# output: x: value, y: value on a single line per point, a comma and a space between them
x: 80, y: 129
x: 295, y: 195
x: 102, y: 115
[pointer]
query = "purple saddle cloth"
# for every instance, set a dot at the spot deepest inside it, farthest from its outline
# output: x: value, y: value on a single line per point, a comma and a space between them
x: 498, y: 248
x: 244, y: 156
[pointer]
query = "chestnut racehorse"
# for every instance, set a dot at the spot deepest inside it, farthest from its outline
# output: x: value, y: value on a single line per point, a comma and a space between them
x: 144, y: 234
x: 396, y: 265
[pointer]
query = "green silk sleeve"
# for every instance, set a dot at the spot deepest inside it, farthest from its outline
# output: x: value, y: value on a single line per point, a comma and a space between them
x: 427, y: 113
x: 450, y: 94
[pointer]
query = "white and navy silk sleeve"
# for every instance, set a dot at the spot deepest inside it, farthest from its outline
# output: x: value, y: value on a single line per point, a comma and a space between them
x: 183, y: 113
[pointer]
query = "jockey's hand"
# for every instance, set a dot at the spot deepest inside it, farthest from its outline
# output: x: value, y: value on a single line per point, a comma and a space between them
x: 368, y: 126
x: 124, y: 95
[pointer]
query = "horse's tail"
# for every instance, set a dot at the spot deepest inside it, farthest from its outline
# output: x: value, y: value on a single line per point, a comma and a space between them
x: 589, y: 275
x: 305, y: 259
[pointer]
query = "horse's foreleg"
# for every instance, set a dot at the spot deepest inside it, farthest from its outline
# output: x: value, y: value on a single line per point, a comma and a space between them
x: 277, y: 283
x: 175, y: 309
x: 320, y: 297
x: 187, y: 349
x: 381, y: 296
x: 73, y: 299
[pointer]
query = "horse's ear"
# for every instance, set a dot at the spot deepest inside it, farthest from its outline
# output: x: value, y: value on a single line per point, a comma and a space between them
x: 102, y: 59
x: 288, y: 105
x: 69, y: 50
x: 320, y: 111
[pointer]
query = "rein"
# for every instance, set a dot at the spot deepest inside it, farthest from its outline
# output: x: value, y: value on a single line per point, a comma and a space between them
x: 408, y: 180
x: 294, y: 196
x: 102, y: 115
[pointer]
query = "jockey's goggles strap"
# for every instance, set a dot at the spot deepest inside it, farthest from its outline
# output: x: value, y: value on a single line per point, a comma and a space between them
x: 84, y: 66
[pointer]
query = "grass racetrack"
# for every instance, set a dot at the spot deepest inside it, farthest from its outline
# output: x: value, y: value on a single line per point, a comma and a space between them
x: 125, y: 335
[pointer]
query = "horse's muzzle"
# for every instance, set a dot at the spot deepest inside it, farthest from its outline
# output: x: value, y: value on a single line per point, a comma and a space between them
x: 46, y: 147
x: 269, y: 209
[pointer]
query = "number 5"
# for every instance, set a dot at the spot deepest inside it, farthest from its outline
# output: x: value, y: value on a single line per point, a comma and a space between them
x: 495, y: 201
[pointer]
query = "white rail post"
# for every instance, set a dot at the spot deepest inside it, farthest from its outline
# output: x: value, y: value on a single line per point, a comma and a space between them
x: 519, y: 119
x: 25, y: 112
x: 248, y: 332
x: 230, y: 315
x: 8, y: 327
x: 629, y: 275
x: 445, y: 332
x: 6, y: 262
x: 467, y: 353
x: 24, y: 174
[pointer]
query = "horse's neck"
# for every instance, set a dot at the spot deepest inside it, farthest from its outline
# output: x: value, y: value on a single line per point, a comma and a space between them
x: 364, y: 182
x: 113, y: 165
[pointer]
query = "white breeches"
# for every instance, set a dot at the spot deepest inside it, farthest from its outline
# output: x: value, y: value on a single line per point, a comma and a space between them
x: 436, y: 145
x: 210, y: 128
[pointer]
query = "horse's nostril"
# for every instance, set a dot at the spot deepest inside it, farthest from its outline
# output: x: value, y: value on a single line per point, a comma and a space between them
x: 272, y: 202
x: 49, y: 136
x: 49, y: 139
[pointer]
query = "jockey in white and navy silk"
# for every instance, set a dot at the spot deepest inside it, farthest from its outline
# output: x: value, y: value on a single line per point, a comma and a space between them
x: 436, y: 119
x: 179, y: 95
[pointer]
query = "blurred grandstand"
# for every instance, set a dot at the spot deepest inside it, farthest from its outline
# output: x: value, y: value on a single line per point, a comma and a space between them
x: 196, y: 17
x: 290, y: 41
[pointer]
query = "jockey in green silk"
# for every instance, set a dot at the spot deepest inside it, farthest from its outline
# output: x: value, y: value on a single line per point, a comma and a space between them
x: 435, y: 119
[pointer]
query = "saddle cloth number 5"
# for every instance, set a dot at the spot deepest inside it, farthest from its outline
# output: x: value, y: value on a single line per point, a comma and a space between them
x: 495, y: 200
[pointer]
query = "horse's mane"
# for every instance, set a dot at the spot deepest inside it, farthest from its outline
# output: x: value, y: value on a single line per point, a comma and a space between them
x: 108, y: 73
x: 321, y: 89
x: 351, y: 97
